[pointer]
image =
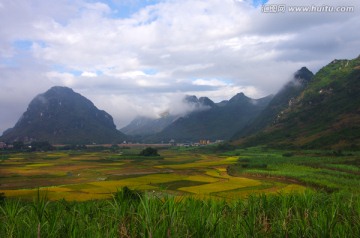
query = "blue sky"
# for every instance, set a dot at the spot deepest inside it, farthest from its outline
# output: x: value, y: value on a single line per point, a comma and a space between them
x: 23, y: 44
x: 126, y: 8
x: 259, y: 2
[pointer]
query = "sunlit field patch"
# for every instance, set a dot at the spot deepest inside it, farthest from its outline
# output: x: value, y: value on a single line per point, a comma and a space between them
x: 80, y: 186
x: 141, y: 182
x: 40, y: 165
x: 232, y: 159
x: 156, y: 178
x: 230, y: 184
x: 290, y: 188
x: 113, y: 186
x: 21, y: 193
x: 202, y: 178
x: 14, y: 159
x: 263, y: 188
x: 56, y: 193
x: 174, y: 185
x: 201, y: 164
x: 214, y: 173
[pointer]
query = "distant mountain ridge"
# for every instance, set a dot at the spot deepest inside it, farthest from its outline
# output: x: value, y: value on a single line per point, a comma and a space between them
x: 62, y: 116
x: 217, y: 121
x: 144, y: 126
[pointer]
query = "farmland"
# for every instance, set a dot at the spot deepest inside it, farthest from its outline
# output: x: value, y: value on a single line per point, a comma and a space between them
x: 83, y: 175
x: 185, y: 192
x: 88, y: 175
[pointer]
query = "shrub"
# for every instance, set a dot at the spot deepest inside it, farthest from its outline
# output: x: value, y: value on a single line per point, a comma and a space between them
x: 126, y: 194
x: 254, y: 166
x: 41, y: 146
x: 244, y: 160
x: 149, y: 151
x: 288, y: 154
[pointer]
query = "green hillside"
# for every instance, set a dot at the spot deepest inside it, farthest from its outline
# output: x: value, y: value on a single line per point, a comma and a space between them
x: 325, y: 115
x: 279, y: 103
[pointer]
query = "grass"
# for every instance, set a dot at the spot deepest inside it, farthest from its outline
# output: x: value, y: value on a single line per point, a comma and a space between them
x: 345, y: 167
x: 129, y: 214
x: 317, y: 169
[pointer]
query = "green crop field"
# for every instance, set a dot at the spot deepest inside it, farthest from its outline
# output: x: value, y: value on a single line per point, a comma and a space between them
x: 193, y: 192
x: 89, y: 175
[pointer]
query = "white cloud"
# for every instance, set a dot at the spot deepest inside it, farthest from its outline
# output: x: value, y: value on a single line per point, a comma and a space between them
x: 89, y: 74
x: 66, y: 79
x: 210, y: 82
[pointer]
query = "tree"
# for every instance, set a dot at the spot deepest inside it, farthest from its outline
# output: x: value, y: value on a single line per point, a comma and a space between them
x: 114, y: 148
x: 149, y: 151
x: 41, y: 146
x: 18, y: 145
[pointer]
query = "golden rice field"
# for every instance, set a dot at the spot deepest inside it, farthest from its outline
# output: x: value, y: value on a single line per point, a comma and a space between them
x: 86, y: 176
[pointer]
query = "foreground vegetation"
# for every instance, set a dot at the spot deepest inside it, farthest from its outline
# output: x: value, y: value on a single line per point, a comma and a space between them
x: 127, y: 214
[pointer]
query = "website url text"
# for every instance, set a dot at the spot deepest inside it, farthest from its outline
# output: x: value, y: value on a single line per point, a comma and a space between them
x: 282, y: 8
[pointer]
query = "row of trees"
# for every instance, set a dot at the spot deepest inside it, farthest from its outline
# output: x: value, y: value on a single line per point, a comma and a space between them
x: 33, y: 146
x: 46, y: 146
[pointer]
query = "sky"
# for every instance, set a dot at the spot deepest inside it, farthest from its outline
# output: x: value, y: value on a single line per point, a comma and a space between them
x: 140, y: 57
